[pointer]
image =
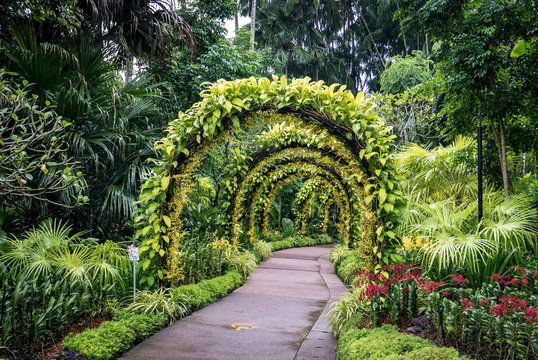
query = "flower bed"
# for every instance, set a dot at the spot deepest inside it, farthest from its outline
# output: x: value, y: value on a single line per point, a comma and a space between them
x: 496, y: 321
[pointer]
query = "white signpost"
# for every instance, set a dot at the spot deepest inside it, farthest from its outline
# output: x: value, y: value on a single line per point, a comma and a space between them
x: 134, y: 257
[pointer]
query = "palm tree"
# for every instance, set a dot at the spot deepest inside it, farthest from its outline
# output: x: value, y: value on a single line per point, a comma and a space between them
x: 291, y: 29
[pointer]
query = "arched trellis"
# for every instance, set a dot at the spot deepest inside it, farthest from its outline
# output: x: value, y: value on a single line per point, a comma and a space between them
x: 308, y: 191
x: 287, y: 160
x: 326, y: 212
x: 226, y: 105
x: 297, y: 168
x: 258, y: 173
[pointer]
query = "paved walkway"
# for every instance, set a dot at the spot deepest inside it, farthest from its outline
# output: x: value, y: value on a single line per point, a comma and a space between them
x: 276, y: 315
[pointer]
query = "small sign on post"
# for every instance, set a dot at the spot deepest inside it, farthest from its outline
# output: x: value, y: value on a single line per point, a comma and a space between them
x: 134, y: 257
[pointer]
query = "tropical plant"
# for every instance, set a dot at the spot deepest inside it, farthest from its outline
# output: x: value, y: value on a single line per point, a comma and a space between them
x: 262, y: 250
x: 405, y: 73
x: 34, y: 166
x: 444, y: 217
x: 51, y: 279
x: 494, y: 87
x: 425, y: 169
x: 107, y: 126
x: 161, y: 301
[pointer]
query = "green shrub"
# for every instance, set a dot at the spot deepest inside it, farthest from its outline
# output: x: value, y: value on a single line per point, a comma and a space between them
x: 349, y: 267
x: 324, y: 239
x: 218, y: 287
x: 145, y: 324
x: 209, y: 291
x: 428, y: 353
x: 378, y: 343
x: 387, y: 342
x: 301, y: 242
x: 118, y: 335
x: 197, y: 297
x: 115, y: 336
x: 272, y: 237
x: 282, y: 244
x: 262, y: 250
x: 308, y: 241
x: 102, y: 343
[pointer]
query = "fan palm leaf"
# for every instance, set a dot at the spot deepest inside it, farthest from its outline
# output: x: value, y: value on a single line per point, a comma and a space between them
x: 75, y: 262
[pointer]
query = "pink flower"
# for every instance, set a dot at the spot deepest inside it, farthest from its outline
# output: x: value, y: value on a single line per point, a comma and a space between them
x: 484, y: 302
x: 445, y: 293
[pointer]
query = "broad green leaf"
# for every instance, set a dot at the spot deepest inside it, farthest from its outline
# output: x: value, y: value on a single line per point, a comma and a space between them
x: 382, y: 195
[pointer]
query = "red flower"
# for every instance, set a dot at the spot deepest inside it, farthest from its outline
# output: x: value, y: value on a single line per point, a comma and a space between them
x: 372, y: 290
x: 504, y: 279
x: 507, y: 305
x: 531, y: 315
x: 459, y: 279
x: 484, y: 302
x: 431, y: 286
x: 466, y: 303
x: 445, y: 293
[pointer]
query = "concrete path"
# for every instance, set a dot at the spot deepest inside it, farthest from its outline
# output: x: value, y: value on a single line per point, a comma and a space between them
x: 276, y: 315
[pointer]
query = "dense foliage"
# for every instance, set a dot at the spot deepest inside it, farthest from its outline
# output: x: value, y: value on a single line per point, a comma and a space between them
x: 253, y: 165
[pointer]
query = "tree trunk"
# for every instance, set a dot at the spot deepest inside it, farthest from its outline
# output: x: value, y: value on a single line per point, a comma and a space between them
x: 500, y: 140
x: 252, y: 25
x: 280, y: 210
x: 130, y: 69
x: 504, y: 161
x: 237, y: 18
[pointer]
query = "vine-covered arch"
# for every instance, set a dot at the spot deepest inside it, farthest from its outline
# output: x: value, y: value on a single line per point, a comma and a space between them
x: 327, y: 194
x: 301, y: 168
x: 339, y: 134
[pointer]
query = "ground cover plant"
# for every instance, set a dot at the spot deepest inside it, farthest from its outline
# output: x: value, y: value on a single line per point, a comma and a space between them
x: 387, y: 342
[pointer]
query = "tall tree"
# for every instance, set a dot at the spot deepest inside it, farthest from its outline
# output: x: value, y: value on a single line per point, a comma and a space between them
x: 480, y: 78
